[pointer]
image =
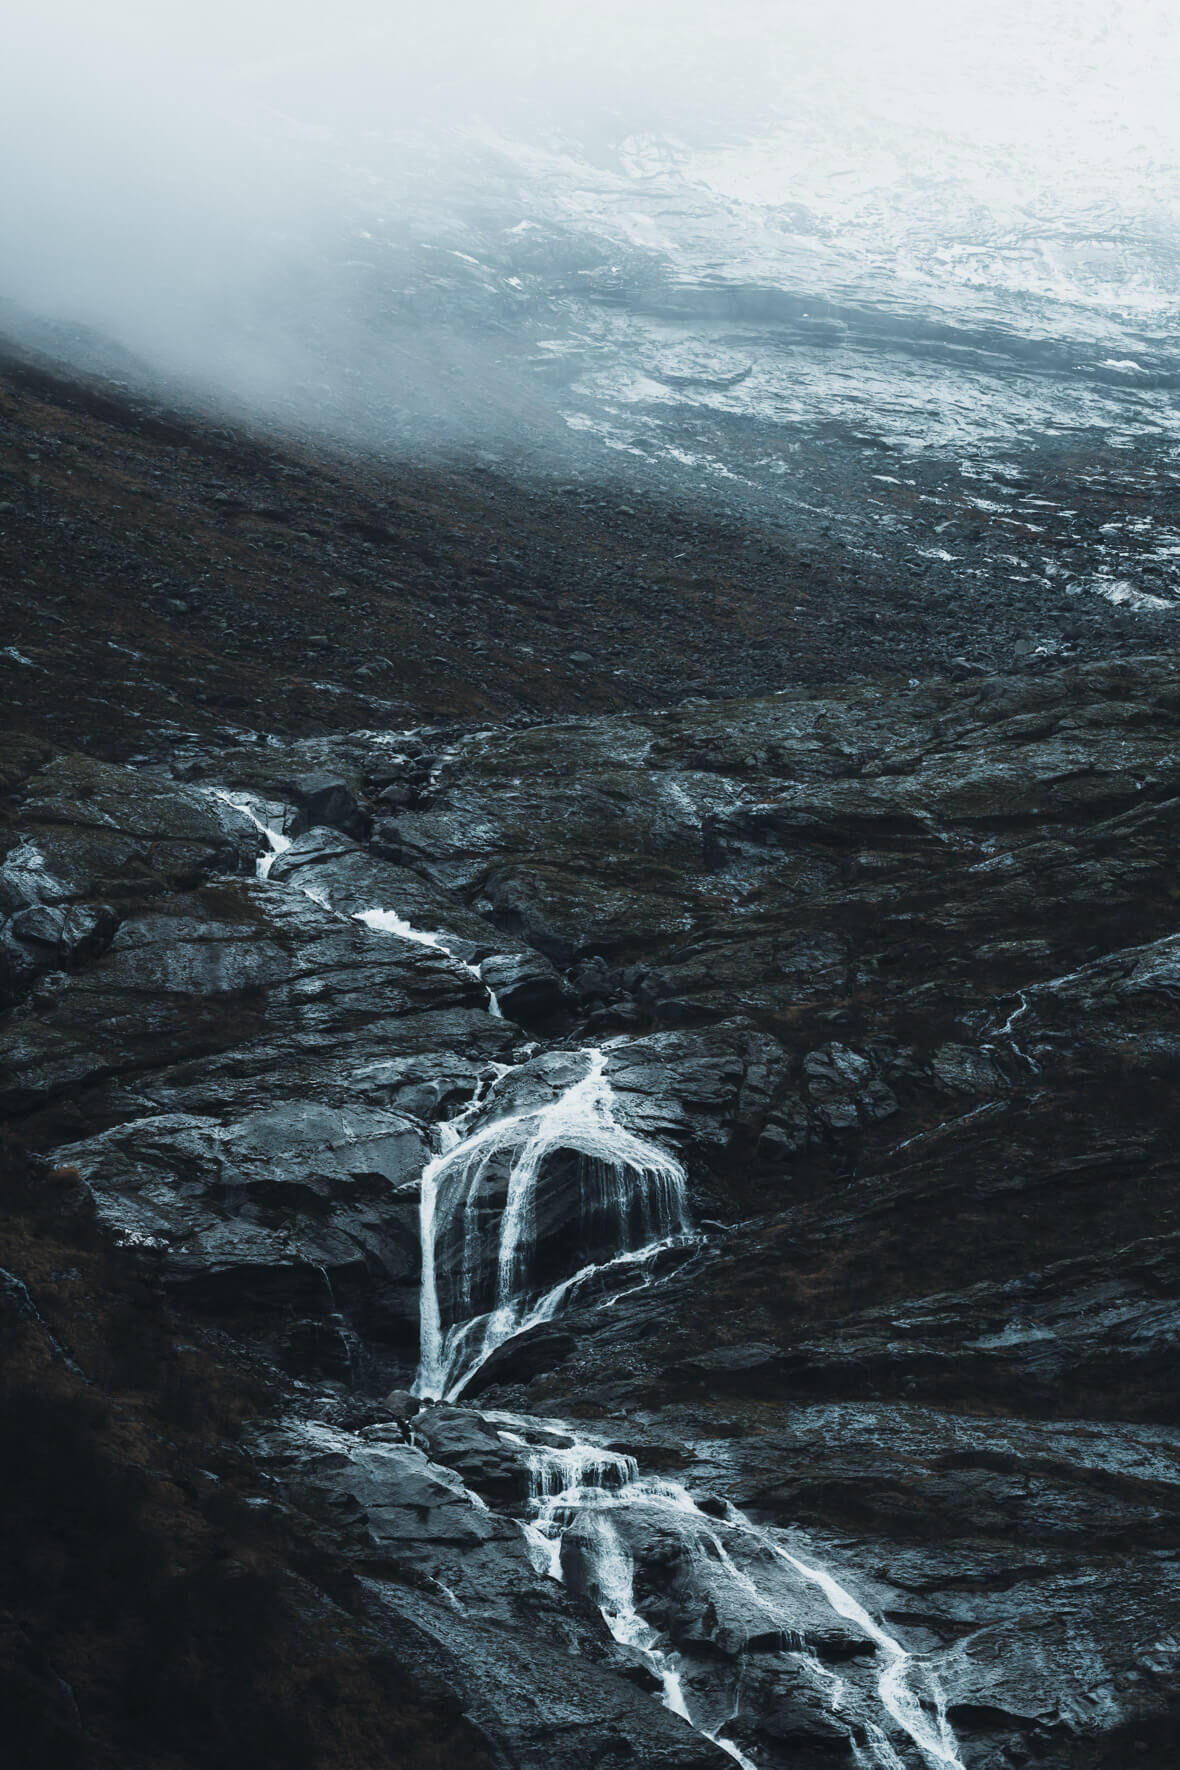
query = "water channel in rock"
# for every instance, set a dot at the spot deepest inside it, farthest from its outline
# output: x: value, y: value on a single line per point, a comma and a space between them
x: 593, y: 1518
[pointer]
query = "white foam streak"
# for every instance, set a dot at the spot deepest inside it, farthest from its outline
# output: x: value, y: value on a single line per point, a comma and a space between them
x: 277, y: 843
x: 587, y: 1481
x: 389, y: 922
x: 384, y: 921
x: 898, y: 1698
x: 642, y: 1189
x: 637, y: 1185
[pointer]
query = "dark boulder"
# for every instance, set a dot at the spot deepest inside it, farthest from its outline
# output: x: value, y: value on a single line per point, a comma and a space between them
x: 67, y: 934
x: 326, y: 799
x: 96, y: 828
x: 593, y: 981
x: 462, y: 1439
x: 525, y: 985
x: 401, y: 1404
x: 298, y: 1207
x: 538, y: 1349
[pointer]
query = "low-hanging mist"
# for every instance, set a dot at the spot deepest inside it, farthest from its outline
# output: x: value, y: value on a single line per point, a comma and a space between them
x: 426, y: 229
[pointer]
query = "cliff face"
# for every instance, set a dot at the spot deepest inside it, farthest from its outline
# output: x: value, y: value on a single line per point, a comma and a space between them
x: 890, y: 972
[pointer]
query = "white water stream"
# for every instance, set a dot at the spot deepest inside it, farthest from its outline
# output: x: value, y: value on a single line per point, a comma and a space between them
x: 634, y: 1184
x: 590, y: 1488
x: 384, y: 921
x: 640, y: 1190
x: 583, y: 1487
x: 389, y: 922
x: 276, y: 842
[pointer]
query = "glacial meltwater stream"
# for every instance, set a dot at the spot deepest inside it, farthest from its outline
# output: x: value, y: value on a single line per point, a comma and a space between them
x: 590, y: 1508
x: 586, y: 1499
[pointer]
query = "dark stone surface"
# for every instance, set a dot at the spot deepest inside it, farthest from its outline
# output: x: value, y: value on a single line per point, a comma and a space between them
x: 352, y: 878
x: 526, y: 986
x: 539, y: 1348
x: 892, y: 970
x: 323, y: 799
x: 536, y: 1676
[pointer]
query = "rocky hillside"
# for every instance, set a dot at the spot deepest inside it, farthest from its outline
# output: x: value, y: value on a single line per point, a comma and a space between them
x: 166, y: 575
x: 890, y: 972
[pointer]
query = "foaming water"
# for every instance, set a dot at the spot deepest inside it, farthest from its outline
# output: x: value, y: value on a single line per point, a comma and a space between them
x: 585, y: 1489
x: 625, y: 1180
x: 583, y: 1496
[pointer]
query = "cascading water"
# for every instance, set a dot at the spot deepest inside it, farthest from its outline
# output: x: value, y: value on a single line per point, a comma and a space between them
x: 389, y: 922
x: 276, y: 842
x: 627, y: 1183
x: 582, y: 1487
x: 638, y: 1193
x: 585, y: 1480
x: 384, y: 921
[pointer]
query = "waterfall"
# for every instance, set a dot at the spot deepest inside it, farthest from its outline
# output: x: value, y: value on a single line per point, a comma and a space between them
x: 641, y: 1191
x: 637, y: 1191
x: 900, y: 1700
x: 591, y: 1487
x: 632, y: 1184
x: 277, y: 843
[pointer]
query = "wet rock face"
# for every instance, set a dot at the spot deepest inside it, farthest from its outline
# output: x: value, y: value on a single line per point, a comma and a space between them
x: 528, y: 1354
x: 283, y: 1219
x: 350, y: 878
x: 893, y: 974
x: 91, y: 837
x: 527, y: 987
x: 99, y: 828
x: 326, y: 800
x: 456, y: 1592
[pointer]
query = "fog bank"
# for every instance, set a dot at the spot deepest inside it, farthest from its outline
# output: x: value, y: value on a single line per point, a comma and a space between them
x: 367, y: 216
